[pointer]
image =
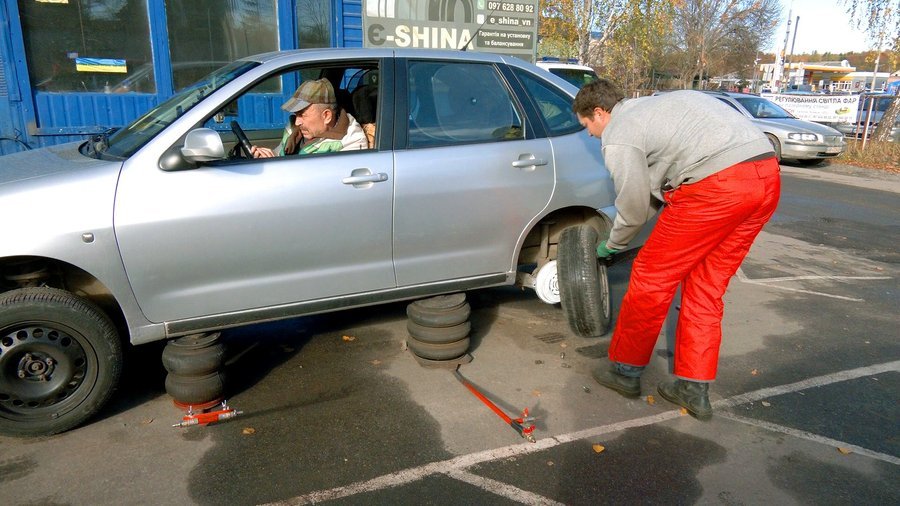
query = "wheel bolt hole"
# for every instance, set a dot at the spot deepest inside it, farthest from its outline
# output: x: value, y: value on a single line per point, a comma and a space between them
x: 17, y: 403
x: 33, y: 404
x: 65, y: 341
x: 4, y: 397
x: 79, y: 362
x: 53, y: 335
x: 38, y: 333
x: 21, y: 335
x: 6, y: 341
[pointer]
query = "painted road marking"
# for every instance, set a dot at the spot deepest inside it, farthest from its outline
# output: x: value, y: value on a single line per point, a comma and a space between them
x: 457, y: 466
x: 768, y: 282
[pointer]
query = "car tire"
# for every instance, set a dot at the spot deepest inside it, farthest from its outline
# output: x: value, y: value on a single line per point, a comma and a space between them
x: 194, y: 355
x: 583, y: 282
x: 432, y: 351
x: 776, y: 146
x: 196, y: 389
x: 427, y: 317
x: 811, y: 162
x: 438, y: 335
x: 60, y: 361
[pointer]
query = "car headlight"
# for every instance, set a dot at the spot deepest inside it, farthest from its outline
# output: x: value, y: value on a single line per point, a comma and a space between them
x: 803, y: 137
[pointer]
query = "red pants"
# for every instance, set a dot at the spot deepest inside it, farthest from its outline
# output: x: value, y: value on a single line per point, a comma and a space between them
x: 700, y: 239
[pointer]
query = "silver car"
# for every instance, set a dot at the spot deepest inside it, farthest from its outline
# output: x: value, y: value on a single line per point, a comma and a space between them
x: 871, y: 106
x: 480, y: 175
x: 791, y: 137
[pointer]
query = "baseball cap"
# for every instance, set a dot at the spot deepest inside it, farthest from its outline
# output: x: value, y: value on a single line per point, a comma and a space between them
x: 310, y: 92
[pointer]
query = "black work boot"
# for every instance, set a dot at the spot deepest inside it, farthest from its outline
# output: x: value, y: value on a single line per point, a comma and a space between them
x: 691, y: 395
x: 608, y: 376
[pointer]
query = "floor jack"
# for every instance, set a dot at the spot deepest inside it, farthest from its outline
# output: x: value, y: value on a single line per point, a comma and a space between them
x: 191, y: 418
x: 518, y: 424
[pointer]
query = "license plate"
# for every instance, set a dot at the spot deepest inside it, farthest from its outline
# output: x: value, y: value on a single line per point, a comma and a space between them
x: 833, y: 149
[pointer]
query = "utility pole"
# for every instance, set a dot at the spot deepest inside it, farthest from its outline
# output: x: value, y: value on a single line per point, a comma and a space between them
x: 877, y: 59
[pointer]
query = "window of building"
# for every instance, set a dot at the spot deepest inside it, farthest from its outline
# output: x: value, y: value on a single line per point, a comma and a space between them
x: 207, y: 34
x: 314, y: 23
x: 86, y: 45
x: 455, y: 103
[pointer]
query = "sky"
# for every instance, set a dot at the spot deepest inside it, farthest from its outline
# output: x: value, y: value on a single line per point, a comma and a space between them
x: 824, y: 27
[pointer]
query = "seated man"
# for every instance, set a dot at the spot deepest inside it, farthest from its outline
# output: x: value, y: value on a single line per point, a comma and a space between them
x: 317, y: 124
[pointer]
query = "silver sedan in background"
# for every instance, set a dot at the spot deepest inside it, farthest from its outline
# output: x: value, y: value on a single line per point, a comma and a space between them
x: 791, y: 137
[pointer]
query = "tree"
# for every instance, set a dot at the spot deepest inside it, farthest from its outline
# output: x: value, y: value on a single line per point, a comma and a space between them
x: 568, y: 24
x: 880, y: 19
x: 636, y: 48
x: 707, y: 32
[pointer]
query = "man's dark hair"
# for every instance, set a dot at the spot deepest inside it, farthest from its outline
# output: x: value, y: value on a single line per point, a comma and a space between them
x: 601, y: 93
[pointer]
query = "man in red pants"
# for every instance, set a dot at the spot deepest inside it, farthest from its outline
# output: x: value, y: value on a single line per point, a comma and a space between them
x: 719, y: 179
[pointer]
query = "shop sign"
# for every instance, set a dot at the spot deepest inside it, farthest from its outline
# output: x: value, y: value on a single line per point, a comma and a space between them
x: 820, y: 108
x: 490, y: 26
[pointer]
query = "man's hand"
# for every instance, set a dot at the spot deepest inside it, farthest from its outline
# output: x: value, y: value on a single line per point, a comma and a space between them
x: 604, y: 252
x: 261, y: 152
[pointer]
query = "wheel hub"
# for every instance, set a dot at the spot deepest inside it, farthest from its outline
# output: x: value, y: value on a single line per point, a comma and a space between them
x: 40, y: 367
x: 546, y: 283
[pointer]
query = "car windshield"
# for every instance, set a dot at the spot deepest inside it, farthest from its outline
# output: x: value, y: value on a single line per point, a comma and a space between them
x: 577, y: 77
x: 126, y: 141
x: 762, y: 108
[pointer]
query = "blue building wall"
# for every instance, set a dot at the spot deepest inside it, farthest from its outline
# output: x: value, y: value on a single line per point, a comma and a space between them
x: 31, y: 119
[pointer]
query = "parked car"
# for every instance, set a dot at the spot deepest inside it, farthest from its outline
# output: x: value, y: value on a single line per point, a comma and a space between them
x: 872, y: 106
x: 791, y: 137
x: 578, y: 75
x: 480, y: 176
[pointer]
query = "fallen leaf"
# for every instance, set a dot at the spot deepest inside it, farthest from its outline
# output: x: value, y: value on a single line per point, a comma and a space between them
x: 376, y: 362
x: 650, y: 400
x: 598, y: 448
x: 536, y: 393
x: 563, y: 345
x: 683, y: 411
x: 148, y: 421
x: 550, y: 463
x: 754, y: 372
x: 766, y: 403
x: 248, y: 431
x: 845, y: 451
x: 348, y: 338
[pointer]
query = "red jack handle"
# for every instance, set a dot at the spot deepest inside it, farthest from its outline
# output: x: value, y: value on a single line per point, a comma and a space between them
x: 518, y: 424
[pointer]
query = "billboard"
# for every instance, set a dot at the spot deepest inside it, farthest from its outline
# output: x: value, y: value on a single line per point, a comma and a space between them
x: 820, y: 108
x: 491, y: 26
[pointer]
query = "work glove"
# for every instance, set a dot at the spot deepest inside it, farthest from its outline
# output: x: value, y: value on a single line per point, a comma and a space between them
x: 603, y: 251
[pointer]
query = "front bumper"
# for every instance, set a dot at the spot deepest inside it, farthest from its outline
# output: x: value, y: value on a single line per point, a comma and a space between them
x: 832, y: 146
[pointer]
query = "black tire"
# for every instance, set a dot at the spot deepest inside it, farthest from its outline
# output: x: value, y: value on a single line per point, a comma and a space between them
x: 189, y: 356
x: 196, y: 389
x: 438, y: 335
x: 583, y: 282
x: 438, y: 318
x: 776, y: 146
x: 811, y: 162
x: 60, y: 361
x: 446, y: 351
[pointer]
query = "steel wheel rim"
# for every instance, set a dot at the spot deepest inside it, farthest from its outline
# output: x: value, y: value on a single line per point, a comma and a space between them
x: 46, y: 370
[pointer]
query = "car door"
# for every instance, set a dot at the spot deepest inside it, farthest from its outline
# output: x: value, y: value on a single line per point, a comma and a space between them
x: 228, y: 237
x: 471, y: 177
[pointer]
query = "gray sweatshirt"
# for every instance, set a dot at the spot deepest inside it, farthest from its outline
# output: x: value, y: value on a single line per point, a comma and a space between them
x: 668, y: 140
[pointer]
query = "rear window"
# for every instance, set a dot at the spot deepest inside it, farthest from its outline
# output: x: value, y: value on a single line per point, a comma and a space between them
x: 577, y: 77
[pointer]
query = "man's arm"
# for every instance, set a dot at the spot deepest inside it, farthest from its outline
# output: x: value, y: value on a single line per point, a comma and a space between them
x: 628, y: 167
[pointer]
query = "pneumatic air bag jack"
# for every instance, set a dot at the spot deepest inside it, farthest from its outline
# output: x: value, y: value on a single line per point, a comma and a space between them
x: 518, y: 424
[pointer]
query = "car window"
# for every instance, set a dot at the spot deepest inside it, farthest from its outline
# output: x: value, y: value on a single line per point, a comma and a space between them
x: 764, y: 109
x: 554, y: 106
x: 729, y: 104
x: 458, y: 103
x: 578, y: 77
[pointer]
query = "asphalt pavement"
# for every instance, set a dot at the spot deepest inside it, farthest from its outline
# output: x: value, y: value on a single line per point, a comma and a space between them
x: 336, y: 411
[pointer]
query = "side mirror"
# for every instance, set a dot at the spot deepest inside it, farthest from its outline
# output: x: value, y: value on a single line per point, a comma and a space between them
x: 203, y: 145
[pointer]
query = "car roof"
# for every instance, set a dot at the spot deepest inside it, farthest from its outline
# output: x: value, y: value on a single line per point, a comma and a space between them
x: 331, y: 52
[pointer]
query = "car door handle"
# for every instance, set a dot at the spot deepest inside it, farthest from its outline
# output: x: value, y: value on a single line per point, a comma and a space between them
x: 368, y: 178
x: 530, y: 161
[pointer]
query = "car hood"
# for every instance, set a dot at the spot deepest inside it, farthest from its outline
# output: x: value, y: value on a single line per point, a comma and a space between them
x: 46, y: 162
x: 788, y: 125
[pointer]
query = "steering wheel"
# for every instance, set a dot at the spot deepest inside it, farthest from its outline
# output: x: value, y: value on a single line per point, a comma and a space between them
x: 243, y: 141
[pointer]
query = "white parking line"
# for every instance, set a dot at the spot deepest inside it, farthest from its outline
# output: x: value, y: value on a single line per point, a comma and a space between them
x: 502, y: 489
x: 769, y: 283
x: 456, y: 467
x: 809, y: 436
